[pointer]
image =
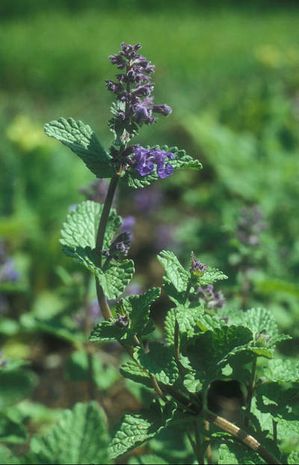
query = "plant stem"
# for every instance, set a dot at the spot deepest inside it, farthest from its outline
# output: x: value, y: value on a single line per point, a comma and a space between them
x: 198, y: 443
x: 99, y: 248
x: 100, y: 241
x: 251, y: 388
x: 274, y: 428
x: 88, y: 348
x: 241, y: 435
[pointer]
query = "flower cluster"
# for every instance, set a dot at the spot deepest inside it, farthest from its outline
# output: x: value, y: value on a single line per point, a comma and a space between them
x: 150, y: 160
x: 212, y: 298
x: 133, y: 88
x: 8, y: 273
x: 250, y: 226
x: 119, y: 248
x: 197, y: 268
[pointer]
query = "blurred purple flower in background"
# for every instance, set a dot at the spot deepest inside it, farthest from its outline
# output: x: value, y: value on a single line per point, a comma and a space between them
x: 250, y: 225
x: 212, y: 298
x: 128, y: 224
x: 8, y: 272
x: 96, y: 190
x: 149, y: 199
x: 164, y: 237
x: 133, y: 289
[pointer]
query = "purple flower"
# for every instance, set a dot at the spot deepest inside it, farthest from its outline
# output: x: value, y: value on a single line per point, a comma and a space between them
x: 163, y: 109
x: 122, y: 321
x: 250, y: 225
x: 133, y: 289
x: 133, y: 89
x: 150, y: 160
x: 95, y: 191
x: 3, y: 361
x: 148, y: 199
x: 94, y: 310
x: 212, y: 298
x: 119, y: 247
x: 197, y: 268
x: 8, y: 272
x: 164, y: 237
x: 128, y: 224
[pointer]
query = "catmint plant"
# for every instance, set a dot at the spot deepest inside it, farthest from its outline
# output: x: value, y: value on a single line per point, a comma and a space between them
x: 199, y: 346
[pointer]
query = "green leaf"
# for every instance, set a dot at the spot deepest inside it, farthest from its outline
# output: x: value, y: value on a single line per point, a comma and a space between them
x: 79, y: 437
x: 136, y: 429
x: 15, y: 385
x: 115, y: 277
x: 181, y: 160
x: 11, y: 431
x: 235, y: 453
x: 138, y: 308
x: 280, y: 401
x: 293, y: 458
x: 136, y: 373
x: 174, y: 271
x: 191, y: 320
x: 282, y: 371
x: 148, y: 459
x: 264, y: 330
x: 159, y: 361
x: 209, y: 352
x: 80, y: 228
x: 210, y: 276
x: 173, y: 445
x: 288, y: 435
x: 7, y: 458
x: 81, y: 139
x: 104, y: 375
x: 107, y: 331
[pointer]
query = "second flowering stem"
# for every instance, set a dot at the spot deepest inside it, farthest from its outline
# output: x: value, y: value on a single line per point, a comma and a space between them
x: 100, y: 242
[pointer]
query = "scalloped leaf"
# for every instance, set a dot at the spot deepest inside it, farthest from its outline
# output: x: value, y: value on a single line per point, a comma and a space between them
x: 235, y: 453
x: 134, y: 372
x: 159, y: 361
x: 282, y: 371
x: 79, y: 437
x: 210, y: 351
x: 191, y: 320
x: 210, y: 276
x: 81, y: 225
x: 264, y: 330
x: 81, y: 139
x: 280, y: 401
x: 107, y: 331
x: 181, y: 160
x: 175, y: 273
x: 138, y: 308
x: 115, y: 277
x: 135, y: 429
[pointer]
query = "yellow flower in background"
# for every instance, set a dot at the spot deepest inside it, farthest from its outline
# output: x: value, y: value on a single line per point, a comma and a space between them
x: 25, y: 134
x: 269, y: 55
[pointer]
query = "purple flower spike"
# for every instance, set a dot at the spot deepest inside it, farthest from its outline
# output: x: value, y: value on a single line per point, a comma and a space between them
x: 133, y: 89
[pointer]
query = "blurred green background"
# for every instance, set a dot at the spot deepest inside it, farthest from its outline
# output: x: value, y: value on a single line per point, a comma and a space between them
x: 230, y: 70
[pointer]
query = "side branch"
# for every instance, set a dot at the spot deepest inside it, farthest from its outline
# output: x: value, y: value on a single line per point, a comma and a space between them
x: 241, y: 435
